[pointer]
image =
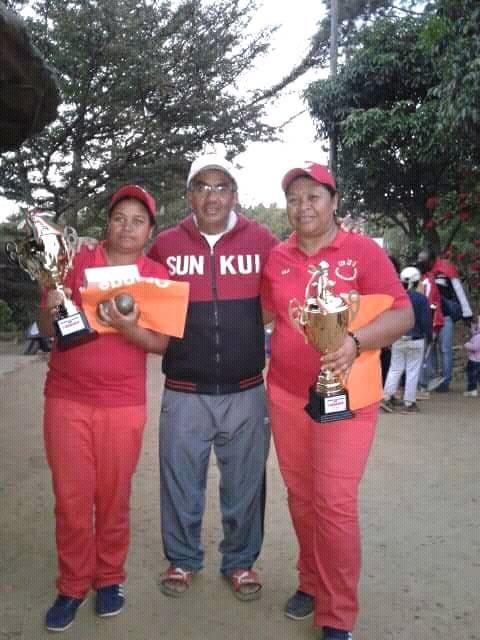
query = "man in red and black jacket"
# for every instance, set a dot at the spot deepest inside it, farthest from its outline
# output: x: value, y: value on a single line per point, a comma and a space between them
x: 214, y: 393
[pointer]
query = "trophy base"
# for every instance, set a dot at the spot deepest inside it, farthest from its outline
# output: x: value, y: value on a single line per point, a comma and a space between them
x: 328, y: 408
x: 73, y: 330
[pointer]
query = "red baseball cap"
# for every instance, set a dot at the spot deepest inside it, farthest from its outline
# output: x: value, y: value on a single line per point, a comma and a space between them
x: 136, y: 192
x: 318, y: 172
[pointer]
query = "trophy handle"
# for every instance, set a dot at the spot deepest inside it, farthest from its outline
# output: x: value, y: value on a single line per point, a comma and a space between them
x: 66, y: 307
x: 317, y: 283
x: 353, y: 300
x: 11, y: 250
x: 295, y: 314
x: 70, y: 237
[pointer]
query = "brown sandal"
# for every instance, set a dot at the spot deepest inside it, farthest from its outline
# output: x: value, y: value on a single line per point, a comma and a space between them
x: 175, y: 581
x: 245, y: 584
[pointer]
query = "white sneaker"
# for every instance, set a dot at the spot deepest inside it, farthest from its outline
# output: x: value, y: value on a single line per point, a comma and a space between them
x: 471, y: 394
x: 423, y: 395
x: 435, y: 383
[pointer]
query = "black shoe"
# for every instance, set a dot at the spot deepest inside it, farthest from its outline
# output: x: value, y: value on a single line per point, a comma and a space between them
x: 443, y: 388
x: 109, y: 600
x: 299, y: 606
x: 62, y: 613
x: 386, y: 406
x: 390, y: 405
x: 410, y: 408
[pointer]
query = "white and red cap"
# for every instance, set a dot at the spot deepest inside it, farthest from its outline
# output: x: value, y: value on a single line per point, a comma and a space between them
x: 318, y: 172
x: 212, y: 161
x: 137, y: 193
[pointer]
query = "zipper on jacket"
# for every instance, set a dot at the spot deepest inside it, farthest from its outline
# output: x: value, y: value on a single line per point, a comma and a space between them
x: 215, y: 312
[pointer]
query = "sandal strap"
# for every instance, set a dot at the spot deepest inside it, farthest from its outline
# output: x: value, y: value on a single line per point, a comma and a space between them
x: 176, y: 573
x: 245, y: 576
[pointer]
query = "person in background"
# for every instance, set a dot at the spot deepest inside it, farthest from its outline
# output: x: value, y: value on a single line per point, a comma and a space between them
x: 454, y: 305
x: 214, y: 392
x: 386, y: 352
x: 322, y: 464
x: 94, y: 418
x: 428, y: 381
x: 473, y: 363
x: 407, y: 351
x: 36, y: 341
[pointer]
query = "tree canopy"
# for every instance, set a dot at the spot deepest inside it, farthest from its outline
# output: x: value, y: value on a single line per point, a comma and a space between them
x: 407, y: 124
x: 271, y: 216
x: 454, y: 36
x: 144, y: 85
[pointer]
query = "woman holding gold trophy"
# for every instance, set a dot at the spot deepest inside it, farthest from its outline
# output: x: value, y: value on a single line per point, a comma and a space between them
x: 94, y: 418
x: 336, y: 300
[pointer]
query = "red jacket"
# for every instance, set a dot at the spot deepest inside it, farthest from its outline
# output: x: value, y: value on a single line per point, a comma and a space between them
x: 430, y: 289
x: 222, y: 350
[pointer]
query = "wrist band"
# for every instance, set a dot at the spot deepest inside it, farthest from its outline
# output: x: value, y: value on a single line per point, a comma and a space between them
x: 357, y: 343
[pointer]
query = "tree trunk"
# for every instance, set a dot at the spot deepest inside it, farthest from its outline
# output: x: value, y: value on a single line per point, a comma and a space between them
x: 333, y: 72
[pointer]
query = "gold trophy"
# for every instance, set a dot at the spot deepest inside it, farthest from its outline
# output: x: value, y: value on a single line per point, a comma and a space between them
x: 323, y: 320
x: 46, y: 254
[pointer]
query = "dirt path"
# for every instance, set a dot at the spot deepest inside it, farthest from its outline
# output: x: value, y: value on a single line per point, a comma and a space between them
x: 420, y: 518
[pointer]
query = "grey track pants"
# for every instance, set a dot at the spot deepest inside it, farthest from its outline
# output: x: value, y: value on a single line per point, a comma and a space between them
x: 234, y: 424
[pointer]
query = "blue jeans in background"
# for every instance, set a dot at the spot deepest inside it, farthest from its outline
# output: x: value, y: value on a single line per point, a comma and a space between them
x: 445, y: 341
x: 473, y: 375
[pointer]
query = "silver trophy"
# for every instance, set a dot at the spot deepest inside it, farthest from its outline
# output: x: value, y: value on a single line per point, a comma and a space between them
x: 46, y: 254
x: 323, y: 320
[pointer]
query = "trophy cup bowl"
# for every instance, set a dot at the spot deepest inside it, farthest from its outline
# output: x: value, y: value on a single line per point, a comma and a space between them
x: 323, y: 320
x: 46, y: 254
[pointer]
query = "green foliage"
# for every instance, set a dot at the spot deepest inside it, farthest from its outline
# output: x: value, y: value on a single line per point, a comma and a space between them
x: 455, y: 216
x: 392, y: 148
x: 17, y: 290
x: 6, y: 317
x: 376, y: 110
x: 405, y: 109
x: 352, y: 16
x: 454, y: 36
x: 145, y: 86
x: 273, y: 217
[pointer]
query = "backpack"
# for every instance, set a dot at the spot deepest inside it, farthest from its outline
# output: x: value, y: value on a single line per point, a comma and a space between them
x: 452, y: 308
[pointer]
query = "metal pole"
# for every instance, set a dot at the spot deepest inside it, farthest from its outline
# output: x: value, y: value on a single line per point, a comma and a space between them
x: 332, y: 161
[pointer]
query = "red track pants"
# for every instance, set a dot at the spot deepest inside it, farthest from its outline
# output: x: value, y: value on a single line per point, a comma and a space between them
x: 322, y: 465
x: 92, y: 453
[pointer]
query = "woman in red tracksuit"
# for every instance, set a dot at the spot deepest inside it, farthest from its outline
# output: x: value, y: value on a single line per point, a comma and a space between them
x: 322, y: 463
x: 94, y: 418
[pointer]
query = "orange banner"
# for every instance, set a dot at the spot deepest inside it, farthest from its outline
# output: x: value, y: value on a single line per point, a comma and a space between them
x: 364, y: 383
x: 162, y: 303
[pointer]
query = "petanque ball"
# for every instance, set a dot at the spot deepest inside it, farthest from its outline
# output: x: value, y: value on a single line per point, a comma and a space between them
x: 102, y: 313
x: 124, y: 303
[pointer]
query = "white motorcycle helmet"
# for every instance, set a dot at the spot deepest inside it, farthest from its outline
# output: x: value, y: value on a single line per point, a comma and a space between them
x: 410, y: 276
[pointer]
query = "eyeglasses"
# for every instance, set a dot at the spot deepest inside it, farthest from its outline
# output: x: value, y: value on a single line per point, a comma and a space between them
x: 203, y: 187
